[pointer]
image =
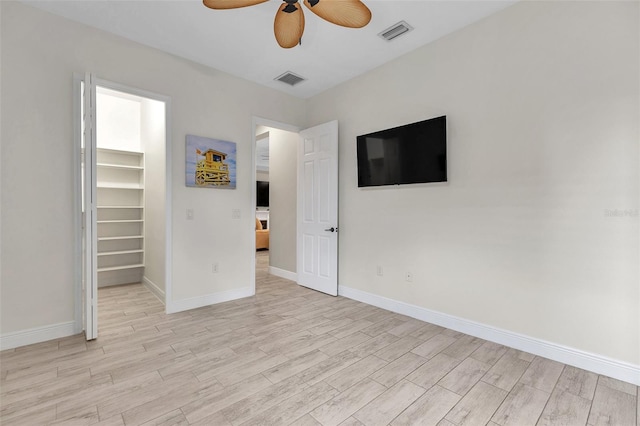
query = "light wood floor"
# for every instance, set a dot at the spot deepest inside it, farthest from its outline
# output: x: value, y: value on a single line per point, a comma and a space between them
x: 292, y: 356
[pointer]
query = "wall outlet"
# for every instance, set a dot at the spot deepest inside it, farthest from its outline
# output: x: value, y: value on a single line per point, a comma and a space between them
x: 379, y: 271
x: 235, y: 213
x: 190, y: 214
x: 214, y: 267
x: 408, y: 277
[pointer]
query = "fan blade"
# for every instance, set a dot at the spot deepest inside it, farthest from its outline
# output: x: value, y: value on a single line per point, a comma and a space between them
x: 346, y: 13
x: 289, y: 25
x: 230, y: 4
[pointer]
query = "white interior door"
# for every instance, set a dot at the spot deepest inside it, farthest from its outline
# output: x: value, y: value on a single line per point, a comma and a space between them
x: 317, y: 231
x: 89, y: 237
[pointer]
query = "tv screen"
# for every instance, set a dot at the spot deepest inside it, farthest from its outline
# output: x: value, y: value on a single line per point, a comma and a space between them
x: 413, y: 153
x: 262, y: 194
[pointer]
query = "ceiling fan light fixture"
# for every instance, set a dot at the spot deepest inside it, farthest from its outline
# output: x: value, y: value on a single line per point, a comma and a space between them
x: 396, y: 30
x: 288, y: 25
x: 290, y: 78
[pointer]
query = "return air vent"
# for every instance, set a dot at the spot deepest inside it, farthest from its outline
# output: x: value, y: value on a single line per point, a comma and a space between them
x: 290, y: 78
x: 395, y: 30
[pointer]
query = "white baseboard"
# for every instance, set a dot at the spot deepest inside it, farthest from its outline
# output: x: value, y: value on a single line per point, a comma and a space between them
x: 282, y: 273
x: 208, y: 299
x: 37, y: 335
x: 588, y: 361
x: 153, y: 288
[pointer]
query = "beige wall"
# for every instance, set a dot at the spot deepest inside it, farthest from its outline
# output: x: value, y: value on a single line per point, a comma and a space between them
x: 40, y: 53
x: 542, y: 103
x: 263, y: 176
x: 118, y: 123
x: 152, y: 134
x: 283, y: 150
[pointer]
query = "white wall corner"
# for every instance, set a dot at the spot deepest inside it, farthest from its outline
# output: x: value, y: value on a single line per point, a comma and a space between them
x: 282, y: 273
x: 153, y: 288
x: 588, y: 361
x: 37, y: 335
x: 208, y: 299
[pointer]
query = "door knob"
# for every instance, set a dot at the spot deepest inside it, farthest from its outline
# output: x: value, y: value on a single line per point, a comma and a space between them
x: 332, y: 229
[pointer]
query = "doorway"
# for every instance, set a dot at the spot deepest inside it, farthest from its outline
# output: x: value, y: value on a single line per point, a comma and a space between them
x: 303, y: 195
x: 124, y: 187
x: 275, y: 150
x: 275, y: 200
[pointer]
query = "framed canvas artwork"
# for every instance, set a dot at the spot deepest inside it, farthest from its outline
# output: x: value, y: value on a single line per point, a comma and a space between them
x: 210, y: 163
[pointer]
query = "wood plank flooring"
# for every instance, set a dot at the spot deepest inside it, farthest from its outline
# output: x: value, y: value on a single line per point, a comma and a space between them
x: 292, y: 356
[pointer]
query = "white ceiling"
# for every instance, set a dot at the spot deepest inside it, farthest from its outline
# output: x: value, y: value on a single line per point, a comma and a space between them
x: 241, y: 41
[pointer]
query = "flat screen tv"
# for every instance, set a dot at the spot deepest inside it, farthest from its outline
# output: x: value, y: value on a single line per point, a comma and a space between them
x: 413, y: 153
x: 262, y: 194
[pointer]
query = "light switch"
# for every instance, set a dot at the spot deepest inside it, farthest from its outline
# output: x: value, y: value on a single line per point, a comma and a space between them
x: 190, y: 214
x: 235, y: 213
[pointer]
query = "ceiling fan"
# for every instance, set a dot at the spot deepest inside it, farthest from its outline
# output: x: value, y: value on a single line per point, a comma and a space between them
x: 288, y: 25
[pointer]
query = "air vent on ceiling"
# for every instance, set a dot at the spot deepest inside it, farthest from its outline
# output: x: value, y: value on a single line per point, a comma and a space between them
x: 395, y: 30
x: 290, y: 78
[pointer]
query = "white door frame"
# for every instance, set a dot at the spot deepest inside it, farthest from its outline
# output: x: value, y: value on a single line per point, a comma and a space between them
x: 77, y: 199
x: 255, y: 122
x: 89, y: 192
x: 77, y: 123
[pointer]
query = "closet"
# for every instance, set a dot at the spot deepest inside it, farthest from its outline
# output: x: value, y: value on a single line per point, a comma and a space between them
x: 120, y: 220
x: 130, y: 165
